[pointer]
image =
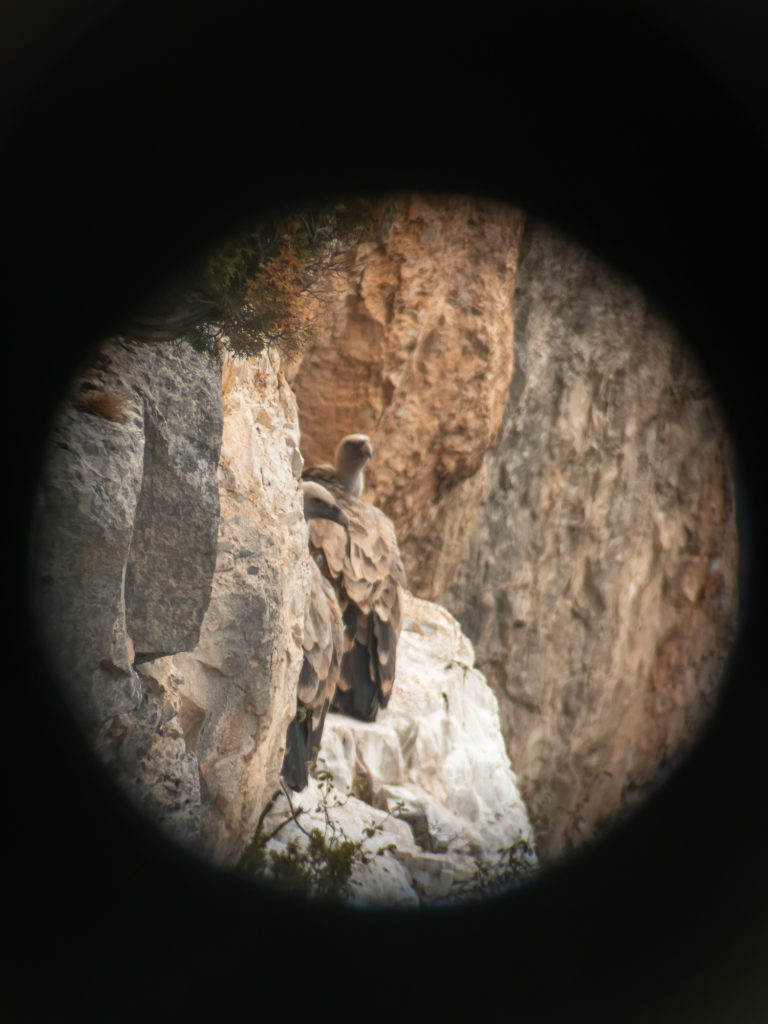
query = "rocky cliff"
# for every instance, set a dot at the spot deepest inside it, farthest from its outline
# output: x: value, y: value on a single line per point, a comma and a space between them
x: 430, y: 780
x: 584, y: 535
x: 235, y: 690
x: 171, y: 573
x: 124, y: 550
x: 572, y: 507
x: 171, y: 568
x: 418, y: 353
x: 600, y: 582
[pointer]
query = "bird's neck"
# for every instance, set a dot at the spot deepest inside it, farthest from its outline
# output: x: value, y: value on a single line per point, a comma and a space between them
x: 354, y: 483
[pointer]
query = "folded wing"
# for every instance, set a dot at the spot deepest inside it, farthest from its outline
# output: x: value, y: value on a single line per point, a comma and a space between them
x: 323, y: 644
x: 368, y: 577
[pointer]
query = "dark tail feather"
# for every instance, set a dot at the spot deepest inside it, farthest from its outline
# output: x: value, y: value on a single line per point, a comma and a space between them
x: 296, y: 754
x: 316, y: 734
x: 384, y: 651
x: 363, y: 698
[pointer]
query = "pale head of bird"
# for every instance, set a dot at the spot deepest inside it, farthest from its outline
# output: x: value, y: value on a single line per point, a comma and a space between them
x: 352, y: 454
x: 319, y: 503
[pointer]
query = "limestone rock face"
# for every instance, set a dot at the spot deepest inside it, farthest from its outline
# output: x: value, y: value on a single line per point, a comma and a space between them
x: 139, y: 415
x: 173, y: 537
x: 577, y: 517
x: 586, y: 536
x: 436, y: 756
x: 236, y: 691
x: 170, y: 574
x: 600, y: 583
x: 418, y: 354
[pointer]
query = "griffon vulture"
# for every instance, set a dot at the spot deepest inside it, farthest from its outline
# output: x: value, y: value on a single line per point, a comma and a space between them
x: 367, y: 572
x: 323, y: 644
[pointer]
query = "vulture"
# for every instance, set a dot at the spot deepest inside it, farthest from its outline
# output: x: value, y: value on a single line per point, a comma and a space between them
x: 367, y: 573
x: 323, y: 644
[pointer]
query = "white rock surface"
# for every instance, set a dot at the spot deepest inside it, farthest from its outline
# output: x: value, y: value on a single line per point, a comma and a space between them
x: 384, y: 880
x: 435, y: 757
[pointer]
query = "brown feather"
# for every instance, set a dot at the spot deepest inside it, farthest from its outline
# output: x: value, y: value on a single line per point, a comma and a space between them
x: 368, y: 579
x: 323, y: 643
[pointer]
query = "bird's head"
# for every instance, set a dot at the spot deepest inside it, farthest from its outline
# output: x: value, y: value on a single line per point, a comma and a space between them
x: 352, y: 454
x: 319, y: 503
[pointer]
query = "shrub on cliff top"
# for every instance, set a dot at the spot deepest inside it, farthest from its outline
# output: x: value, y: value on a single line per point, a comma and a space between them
x: 270, y: 285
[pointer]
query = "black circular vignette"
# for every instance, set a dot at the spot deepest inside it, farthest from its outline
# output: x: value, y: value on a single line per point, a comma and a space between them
x: 167, y: 127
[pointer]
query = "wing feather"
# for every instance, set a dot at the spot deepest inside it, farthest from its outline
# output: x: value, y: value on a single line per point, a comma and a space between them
x: 368, y: 578
x: 323, y: 643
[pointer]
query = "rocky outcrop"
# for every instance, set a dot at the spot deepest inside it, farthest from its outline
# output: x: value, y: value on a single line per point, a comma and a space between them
x: 577, y: 517
x: 124, y: 550
x: 431, y: 774
x: 236, y: 691
x: 418, y: 353
x: 171, y: 521
x: 172, y: 571
x: 600, y: 582
x: 585, y: 537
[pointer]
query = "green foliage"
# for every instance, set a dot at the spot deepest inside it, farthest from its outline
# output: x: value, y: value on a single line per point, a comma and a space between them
x: 270, y: 285
x: 515, y: 863
x: 322, y: 866
x: 321, y: 869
